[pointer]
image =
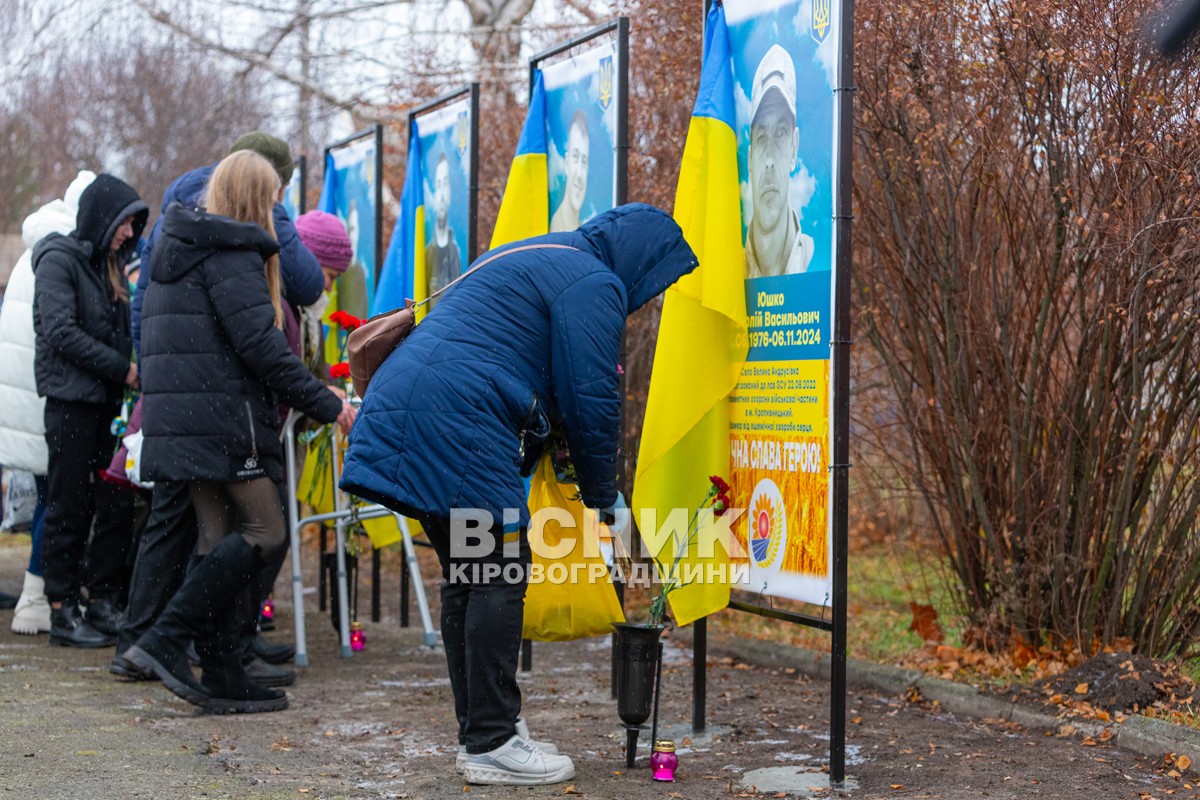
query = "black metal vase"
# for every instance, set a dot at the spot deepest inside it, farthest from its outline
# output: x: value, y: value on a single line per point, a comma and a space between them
x: 329, y: 566
x: 636, y: 652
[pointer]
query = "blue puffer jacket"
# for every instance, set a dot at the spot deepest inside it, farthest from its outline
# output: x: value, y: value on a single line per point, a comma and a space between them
x: 457, y: 413
x: 301, y: 276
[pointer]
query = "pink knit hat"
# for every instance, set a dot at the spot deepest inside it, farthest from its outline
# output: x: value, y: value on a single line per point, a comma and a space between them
x: 325, y: 236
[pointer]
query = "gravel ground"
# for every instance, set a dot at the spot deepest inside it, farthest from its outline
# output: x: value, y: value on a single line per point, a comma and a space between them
x: 379, y: 725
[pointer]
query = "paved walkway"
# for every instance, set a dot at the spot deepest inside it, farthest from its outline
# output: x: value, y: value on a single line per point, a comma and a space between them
x: 379, y: 725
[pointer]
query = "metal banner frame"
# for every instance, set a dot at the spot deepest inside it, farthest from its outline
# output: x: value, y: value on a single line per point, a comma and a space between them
x: 619, y: 26
x: 377, y: 132
x: 840, y: 345
x: 471, y: 91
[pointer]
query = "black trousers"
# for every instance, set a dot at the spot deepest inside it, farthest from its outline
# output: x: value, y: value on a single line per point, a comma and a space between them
x: 481, y: 630
x: 88, y: 529
x: 164, y: 547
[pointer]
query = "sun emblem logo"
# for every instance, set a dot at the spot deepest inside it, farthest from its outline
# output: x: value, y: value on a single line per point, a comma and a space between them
x: 766, y: 523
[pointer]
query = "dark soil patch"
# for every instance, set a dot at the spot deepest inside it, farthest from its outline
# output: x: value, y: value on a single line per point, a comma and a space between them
x: 1112, y: 682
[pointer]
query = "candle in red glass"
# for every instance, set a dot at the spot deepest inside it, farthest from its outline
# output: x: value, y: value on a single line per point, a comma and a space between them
x: 663, y: 760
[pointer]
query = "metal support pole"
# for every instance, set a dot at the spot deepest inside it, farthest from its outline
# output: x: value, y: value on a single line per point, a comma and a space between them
x: 620, y: 587
x: 374, y: 585
x: 699, y: 674
x: 339, y: 503
x: 322, y: 545
x: 840, y: 354
x: 404, y: 579
x: 293, y: 512
x: 412, y: 568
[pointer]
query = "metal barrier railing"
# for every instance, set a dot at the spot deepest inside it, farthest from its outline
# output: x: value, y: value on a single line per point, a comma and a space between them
x: 343, y: 515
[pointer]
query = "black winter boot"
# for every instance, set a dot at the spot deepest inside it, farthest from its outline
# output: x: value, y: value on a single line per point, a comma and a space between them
x: 255, y: 644
x: 272, y: 653
x: 229, y: 688
x: 204, y: 598
x: 68, y: 628
x: 104, y: 615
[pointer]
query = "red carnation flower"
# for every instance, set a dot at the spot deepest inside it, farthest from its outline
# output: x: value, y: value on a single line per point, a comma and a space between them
x: 721, y: 504
x: 719, y: 482
x: 340, y: 370
x: 345, y: 320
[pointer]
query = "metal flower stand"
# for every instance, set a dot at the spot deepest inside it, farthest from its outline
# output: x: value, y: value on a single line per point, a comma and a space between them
x: 344, y: 514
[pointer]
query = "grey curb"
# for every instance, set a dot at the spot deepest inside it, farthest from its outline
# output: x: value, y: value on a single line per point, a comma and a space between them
x: 1143, y: 735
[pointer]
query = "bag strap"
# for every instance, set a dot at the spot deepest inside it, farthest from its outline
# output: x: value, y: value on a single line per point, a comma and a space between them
x: 490, y: 259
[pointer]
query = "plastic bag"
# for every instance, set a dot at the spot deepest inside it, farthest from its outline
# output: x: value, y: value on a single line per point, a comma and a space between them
x: 20, y: 499
x: 126, y: 426
x: 573, y: 596
x: 133, y: 460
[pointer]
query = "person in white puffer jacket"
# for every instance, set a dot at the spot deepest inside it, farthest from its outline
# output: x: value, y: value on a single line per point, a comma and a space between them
x: 22, y: 412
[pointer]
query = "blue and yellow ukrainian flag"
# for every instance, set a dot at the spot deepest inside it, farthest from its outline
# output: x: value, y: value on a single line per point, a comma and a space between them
x: 328, y: 203
x: 525, y: 209
x: 702, y: 336
x: 403, y: 273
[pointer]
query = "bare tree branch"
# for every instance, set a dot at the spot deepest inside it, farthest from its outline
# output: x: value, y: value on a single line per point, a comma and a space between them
x: 584, y: 9
x: 356, y: 106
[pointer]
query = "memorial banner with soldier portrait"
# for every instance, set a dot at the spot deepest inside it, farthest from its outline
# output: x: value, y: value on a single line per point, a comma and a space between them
x: 445, y: 147
x: 433, y: 240
x: 567, y: 167
x: 784, y: 56
x: 581, y: 135
x: 349, y: 192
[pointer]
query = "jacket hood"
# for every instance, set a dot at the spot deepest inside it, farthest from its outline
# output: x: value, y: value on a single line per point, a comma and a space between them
x: 57, y: 242
x: 103, y: 205
x: 57, y: 216
x: 643, y: 246
x: 190, y: 235
x: 188, y: 188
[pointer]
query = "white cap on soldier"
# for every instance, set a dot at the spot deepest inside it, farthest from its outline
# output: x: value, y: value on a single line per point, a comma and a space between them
x: 775, y: 72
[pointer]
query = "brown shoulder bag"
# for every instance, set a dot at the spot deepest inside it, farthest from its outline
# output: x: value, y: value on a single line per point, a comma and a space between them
x: 375, y: 339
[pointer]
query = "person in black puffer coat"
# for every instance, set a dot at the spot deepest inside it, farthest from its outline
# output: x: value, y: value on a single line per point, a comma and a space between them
x: 83, y: 362
x: 215, y: 365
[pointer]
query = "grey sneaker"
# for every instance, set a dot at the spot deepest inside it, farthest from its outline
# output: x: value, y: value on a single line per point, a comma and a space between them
x: 460, y: 761
x: 518, y: 763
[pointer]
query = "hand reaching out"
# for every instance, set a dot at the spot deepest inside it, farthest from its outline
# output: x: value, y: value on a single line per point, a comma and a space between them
x: 346, y: 419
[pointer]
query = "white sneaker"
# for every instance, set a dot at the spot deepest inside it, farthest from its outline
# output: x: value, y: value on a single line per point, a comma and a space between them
x: 32, y: 614
x: 518, y: 763
x: 460, y: 760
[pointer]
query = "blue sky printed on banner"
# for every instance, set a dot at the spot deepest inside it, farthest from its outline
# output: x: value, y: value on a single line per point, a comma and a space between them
x: 448, y: 130
x: 576, y: 83
x: 754, y: 25
x: 291, y: 194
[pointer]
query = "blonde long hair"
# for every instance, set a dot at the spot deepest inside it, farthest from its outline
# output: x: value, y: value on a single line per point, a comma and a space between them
x: 244, y: 187
x: 117, y: 280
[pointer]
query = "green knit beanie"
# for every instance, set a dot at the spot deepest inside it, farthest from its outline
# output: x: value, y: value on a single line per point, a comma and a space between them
x: 269, y: 147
